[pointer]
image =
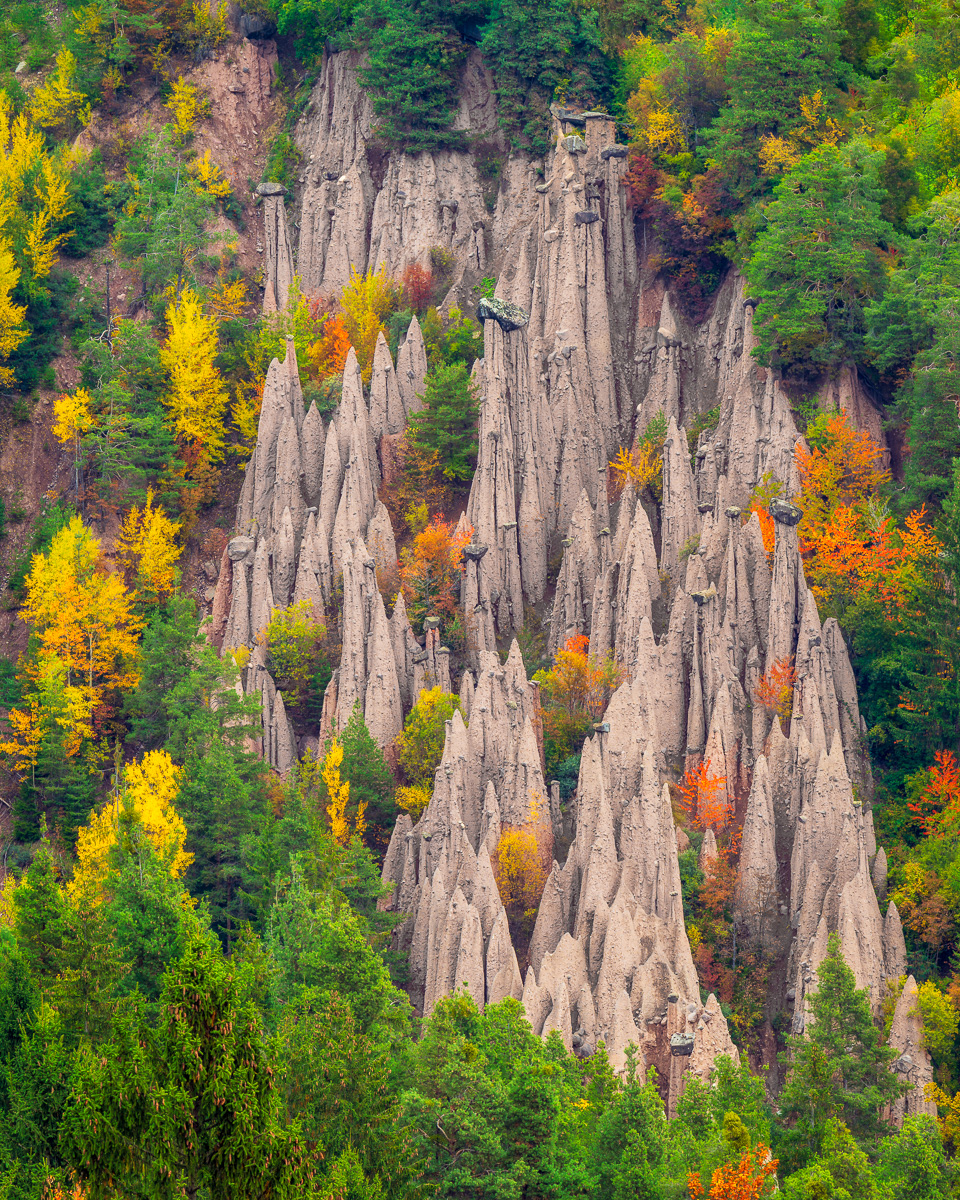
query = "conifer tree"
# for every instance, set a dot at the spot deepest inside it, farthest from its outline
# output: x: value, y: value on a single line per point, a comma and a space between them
x: 190, y: 1107
x: 447, y: 423
x: 839, y: 1068
x: 197, y: 398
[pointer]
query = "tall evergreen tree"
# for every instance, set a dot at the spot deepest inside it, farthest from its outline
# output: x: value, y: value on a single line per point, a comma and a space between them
x: 839, y: 1068
x: 447, y: 423
x: 816, y: 261
x: 191, y: 1107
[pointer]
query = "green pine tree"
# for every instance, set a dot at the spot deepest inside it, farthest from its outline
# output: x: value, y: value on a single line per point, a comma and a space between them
x: 816, y: 261
x: 447, y: 423
x: 839, y: 1068
x: 190, y: 1107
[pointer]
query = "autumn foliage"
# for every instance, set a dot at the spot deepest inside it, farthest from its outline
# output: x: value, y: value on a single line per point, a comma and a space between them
x: 81, y: 613
x: 521, y: 865
x: 328, y: 355
x: 578, y: 684
x: 197, y: 398
x: 338, y: 797
x: 150, y: 787
x: 147, y: 550
x: 703, y: 797
x: 418, y: 287
x: 750, y: 1179
x: 642, y: 467
x: 938, y: 806
x: 367, y: 301
x: 428, y: 569
x: 519, y: 871
x: 775, y: 688
x: 842, y: 470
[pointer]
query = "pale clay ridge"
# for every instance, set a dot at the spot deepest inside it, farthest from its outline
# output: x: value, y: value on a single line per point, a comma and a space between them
x: 686, y: 599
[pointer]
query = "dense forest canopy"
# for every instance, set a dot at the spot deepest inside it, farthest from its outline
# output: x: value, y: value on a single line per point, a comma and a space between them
x: 200, y: 994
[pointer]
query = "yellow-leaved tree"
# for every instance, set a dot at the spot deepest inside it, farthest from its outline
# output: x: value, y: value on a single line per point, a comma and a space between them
x: 188, y: 106
x: 150, y: 786
x: 34, y: 203
x: 367, y: 301
x: 42, y: 242
x: 12, y: 328
x: 209, y: 178
x: 338, y: 797
x: 147, y: 550
x: 521, y: 865
x: 197, y: 398
x: 57, y: 709
x: 81, y: 613
x: 57, y: 103
x: 72, y: 418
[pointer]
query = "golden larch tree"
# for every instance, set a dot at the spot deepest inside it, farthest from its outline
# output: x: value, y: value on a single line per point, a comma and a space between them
x: 81, y: 613
x: 151, y: 785
x: 147, y: 549
x: 197, y: 398
x: 338, y: 797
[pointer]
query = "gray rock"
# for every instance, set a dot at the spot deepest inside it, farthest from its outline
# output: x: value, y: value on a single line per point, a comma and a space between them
x: 257, y: 28
x: 585, y: 216
x: 240, y: 548
x: 785, y: 513
x: 508, y: 316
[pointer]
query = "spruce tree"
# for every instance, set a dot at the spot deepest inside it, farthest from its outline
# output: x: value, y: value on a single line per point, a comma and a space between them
x: 839, y: 1068
x: 366, y: 768
x: 38, y: 917
x: 447, y: 423
x: 191, y: 1107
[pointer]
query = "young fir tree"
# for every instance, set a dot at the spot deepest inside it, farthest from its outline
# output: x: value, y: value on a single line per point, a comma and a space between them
x: 189, y: 1107
x: 447, y: 423
x: 839, y: 1068
x: 371, y: 783
x: 38, y: 917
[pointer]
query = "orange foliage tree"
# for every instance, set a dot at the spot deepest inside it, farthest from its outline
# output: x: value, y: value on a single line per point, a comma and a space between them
x: 775, y: 688
x: 843, y: 534
x: 749, y: 1179
x: 428, y: 569
x: 328, y: 355
x: 938, y: 805
x: 574, y: 692
x: 842, y: 470
x: 703, y: 797
x: 856, y: 556
x: 578, y: 684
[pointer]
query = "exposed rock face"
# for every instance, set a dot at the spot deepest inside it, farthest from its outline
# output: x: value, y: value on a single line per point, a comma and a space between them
x: 359, y: 212
x: 580, y: 354
x: 913, y: 1064
x: 278, y: 262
